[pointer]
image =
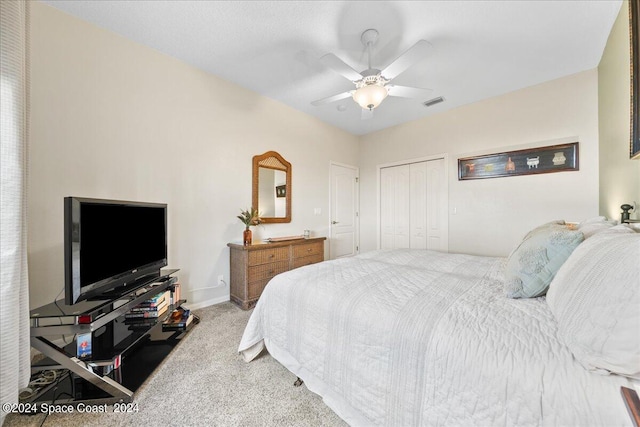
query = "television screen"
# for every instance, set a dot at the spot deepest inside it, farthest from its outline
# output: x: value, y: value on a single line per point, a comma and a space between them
x: 111, y: 244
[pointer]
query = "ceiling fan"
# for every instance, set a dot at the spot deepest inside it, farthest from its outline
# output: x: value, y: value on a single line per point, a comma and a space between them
x: 372, y: 85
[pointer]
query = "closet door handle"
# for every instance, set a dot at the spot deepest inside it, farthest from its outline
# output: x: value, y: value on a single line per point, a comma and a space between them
x: 334, y: 222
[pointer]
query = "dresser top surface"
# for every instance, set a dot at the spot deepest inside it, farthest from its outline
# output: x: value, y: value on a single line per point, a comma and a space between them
x: 268, y: 245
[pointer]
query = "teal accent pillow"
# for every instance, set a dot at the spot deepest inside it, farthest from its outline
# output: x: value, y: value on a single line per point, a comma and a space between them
x: 549, y: 225
x: 534, y: 263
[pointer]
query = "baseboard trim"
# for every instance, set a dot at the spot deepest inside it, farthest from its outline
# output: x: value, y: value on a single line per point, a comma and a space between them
x: 207, y: 303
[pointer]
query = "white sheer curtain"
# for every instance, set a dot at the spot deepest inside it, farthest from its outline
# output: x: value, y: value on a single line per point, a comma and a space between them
x: 14, y: 129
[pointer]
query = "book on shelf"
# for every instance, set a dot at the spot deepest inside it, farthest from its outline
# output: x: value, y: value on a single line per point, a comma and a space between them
x: 139, y: 308
x: 141, y: 324
x: 156, y: 312
x: 141, y: 321
x: 154, y: 301
x: 179, y: 319
x: 176, y: 293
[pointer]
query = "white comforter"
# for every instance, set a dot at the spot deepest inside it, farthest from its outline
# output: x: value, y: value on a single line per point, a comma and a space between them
x: 413, y: 337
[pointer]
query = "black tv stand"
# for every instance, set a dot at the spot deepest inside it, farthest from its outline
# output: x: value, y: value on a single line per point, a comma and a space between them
x: 123, y: 354
x: 120, y: 291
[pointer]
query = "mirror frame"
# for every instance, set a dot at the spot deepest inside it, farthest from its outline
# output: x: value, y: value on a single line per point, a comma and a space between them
x: 257, y: 160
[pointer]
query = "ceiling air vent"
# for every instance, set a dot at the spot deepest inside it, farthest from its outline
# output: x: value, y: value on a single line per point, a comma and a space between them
x: 433, y: 101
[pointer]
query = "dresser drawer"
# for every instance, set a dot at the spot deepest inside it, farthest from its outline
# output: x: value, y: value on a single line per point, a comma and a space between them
x: 308, y: 249
x: 299, y: 262
x: 264, y: 256
x: 266, y: 271
x: 252, y: 266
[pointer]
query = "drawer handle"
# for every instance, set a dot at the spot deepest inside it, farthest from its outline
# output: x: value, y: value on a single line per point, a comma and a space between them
x: 271, y: 256
x: 270, y: 273
x: 309, y: 250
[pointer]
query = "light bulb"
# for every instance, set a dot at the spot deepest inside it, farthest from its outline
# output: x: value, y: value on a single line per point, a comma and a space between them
x: 370, y: 96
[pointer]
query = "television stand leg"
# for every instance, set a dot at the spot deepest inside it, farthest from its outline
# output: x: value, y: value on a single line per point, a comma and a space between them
x: 78, y: 367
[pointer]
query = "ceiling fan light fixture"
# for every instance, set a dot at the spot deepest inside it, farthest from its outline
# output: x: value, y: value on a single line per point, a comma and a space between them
x: 370, y: 96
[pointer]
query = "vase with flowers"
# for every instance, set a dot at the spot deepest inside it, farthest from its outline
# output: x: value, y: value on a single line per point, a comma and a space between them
x: 248, y: 217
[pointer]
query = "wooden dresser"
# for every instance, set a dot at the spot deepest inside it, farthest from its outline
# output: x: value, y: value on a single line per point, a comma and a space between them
x: 254, y: 265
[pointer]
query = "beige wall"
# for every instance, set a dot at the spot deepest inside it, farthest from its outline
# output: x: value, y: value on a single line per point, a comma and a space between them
x: 113, y: 119
x: 619, y: 176
x: 489, y: 216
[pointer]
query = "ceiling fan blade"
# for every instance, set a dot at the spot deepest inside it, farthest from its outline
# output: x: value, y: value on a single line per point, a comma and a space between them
x: 408, y: 92
x: 366, y: 114
x: 415, y: 53
x: 331, y: 99
x: 339, y: 66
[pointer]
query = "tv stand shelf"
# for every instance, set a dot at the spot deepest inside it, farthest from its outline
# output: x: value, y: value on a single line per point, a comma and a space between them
x: 123, y: 354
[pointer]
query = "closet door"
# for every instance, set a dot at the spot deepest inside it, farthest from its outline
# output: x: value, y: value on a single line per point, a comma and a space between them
x: 413, y: 206
x: 437, y: 202
x: 394, y: 207
x: 418, y: 205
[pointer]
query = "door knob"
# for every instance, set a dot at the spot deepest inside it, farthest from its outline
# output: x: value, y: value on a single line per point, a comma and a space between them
x: 334, y: 222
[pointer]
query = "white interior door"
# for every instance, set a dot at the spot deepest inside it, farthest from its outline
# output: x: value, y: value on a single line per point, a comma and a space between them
x: 418, y: 205
x: 437, y: 206
x: 344, y: 211
x: 387, y: 200
x: 414, y: 205
x: 395, y: 207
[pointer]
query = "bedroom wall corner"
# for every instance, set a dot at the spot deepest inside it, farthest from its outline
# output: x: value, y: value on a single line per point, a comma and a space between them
x: 619, y: 175
x: 115, y: 119
x: 489, y: 216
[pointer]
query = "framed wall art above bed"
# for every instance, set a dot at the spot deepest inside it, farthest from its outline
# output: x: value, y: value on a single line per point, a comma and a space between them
x: 552, y: 158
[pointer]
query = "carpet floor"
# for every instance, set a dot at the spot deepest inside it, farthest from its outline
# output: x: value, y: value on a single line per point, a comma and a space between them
x: 205, y: 382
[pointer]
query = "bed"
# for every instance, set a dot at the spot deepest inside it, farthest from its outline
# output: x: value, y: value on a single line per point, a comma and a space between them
x: 413, y: 337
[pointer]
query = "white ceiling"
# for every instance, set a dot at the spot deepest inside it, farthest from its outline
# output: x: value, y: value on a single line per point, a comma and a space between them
x: 481, y: 48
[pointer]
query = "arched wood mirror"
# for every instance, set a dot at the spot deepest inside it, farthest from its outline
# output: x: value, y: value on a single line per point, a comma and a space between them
x: 272, y: 187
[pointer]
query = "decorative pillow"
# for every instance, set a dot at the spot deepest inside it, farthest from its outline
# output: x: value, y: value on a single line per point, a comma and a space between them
x: 595, y: 297
x: 545, y: 226
x: 533, y: 264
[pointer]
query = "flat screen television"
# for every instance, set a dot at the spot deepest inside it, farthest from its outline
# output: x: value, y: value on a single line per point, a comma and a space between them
x: 111, y: 246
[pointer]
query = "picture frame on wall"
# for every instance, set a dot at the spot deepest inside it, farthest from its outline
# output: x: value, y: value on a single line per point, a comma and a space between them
x: 552, y: 158
x: 634, y: 18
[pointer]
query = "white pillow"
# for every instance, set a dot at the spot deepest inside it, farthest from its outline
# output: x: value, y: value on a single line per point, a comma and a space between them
x: 595, y: 297
x: 621, y: 228
x: 595, y: 225
x: 595, y: 220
